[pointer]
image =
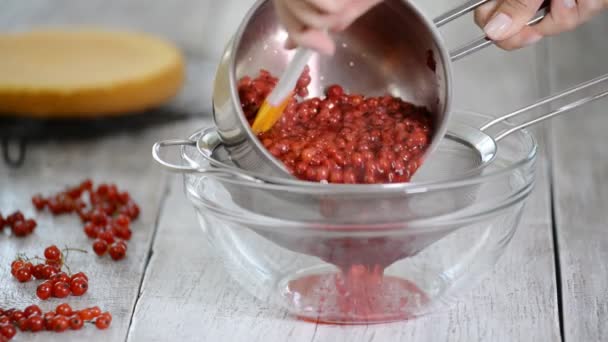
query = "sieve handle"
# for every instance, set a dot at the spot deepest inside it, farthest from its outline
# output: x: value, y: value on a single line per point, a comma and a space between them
x: 483, y: 41
x: 156, y: 153
x: 548, y: 100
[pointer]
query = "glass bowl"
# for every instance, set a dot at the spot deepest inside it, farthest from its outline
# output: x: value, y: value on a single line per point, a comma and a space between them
x: 324, y: 266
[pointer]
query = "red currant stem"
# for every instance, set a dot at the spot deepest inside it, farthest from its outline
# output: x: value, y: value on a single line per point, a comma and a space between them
x: 68, y: 269
x: 66, y: 250
x: 22, y: 257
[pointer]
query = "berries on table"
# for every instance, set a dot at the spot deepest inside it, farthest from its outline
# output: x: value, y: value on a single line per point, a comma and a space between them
x: 79, y: 286
x: 36, y: 323
x: 18, y: 224
x: 52, y: 253
x: 118, y: 250
x: 15, y: 217
x: 8, y: 331
x: 100, y: 247
x: 61, y: 289
x: 32, y: 310
x: 56, y: 283
x: 60, y: 323
x: 76, y: 322
x: 23, y: 275
x: 107, y: 215
x: 64, y: 310
x: 103, y: 321
x: 32, y: 319
x: 44, y: 290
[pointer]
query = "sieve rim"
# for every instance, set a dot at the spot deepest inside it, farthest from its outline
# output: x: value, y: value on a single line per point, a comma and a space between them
x: 469, y: 177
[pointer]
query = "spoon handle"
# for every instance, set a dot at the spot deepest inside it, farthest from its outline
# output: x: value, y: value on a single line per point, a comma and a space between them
x: 290, y: 76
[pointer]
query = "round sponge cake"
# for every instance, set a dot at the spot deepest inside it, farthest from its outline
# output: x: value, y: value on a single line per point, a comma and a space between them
x: 85, y: 73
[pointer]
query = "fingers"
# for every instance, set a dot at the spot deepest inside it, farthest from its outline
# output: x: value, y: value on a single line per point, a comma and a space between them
x: 307, y: 20
x: 564, y: 16
x: 300, y: 33
x: 508, y: 18
x: 310, y: 16
x: 328, y: 6
x: 353, y: 11
x: 505, y: 21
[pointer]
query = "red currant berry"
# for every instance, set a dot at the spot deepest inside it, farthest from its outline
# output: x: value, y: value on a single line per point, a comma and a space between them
x: 23, y: 275
x: 95, y: 311
x: 118, y: 250
x: 60, y: 323
x: 76, y: 323
x: 60, y: 277
x: 124, y: 197
x: 100, y: 247
x: 123, y: 233
x: 17, y: 315
x: 61, y: 290
x: 44, y: 291
x: 31, y: 225
x: 36, y: 323
x: 52, y: 253
x: 85, y: 215
x: 79, y: 275
x: 20, y: 229
x: 122, y: 220
x: 107, y: 236
x: 87, y: 185
x: 8, y: 331
x: 103, y: 321
x: 102, y: 189
x: 15, y: 217
x: 32, y: 310
x: 48, y: 320
x: 48, y: 271
x: 55, y: 206
x: 38, y: 271
x: 99, y: 218
x: 22, y: 324
x: 92, y: 230
x: 133, y: 210
x: 79, y: 286
x: 74, y: 193
x: 4, y: 320
x: 86, y: 315
x: 64, y: 310
x: 39, y: 202
x: 16, y: 265
x: 29, y: 267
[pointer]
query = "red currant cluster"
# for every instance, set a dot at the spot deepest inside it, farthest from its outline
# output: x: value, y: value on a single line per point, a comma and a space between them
x: 20, y: 226
x: 59, y: 320
x: 57, y: 283
x: 107, y: 218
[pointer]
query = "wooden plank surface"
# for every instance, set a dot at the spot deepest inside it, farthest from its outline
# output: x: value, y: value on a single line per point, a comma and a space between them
x: 580, y: 170
x: 121, y: 159
x: 187, y: 294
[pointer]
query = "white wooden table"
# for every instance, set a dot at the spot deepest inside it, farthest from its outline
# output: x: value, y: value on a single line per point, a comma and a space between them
x: 551, y: 285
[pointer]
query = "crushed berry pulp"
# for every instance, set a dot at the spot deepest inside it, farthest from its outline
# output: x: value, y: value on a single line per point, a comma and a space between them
x: 341, y: 138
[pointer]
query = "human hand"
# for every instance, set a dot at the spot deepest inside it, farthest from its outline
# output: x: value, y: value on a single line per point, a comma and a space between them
x: 504, y: 21
x: 308, y: 22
